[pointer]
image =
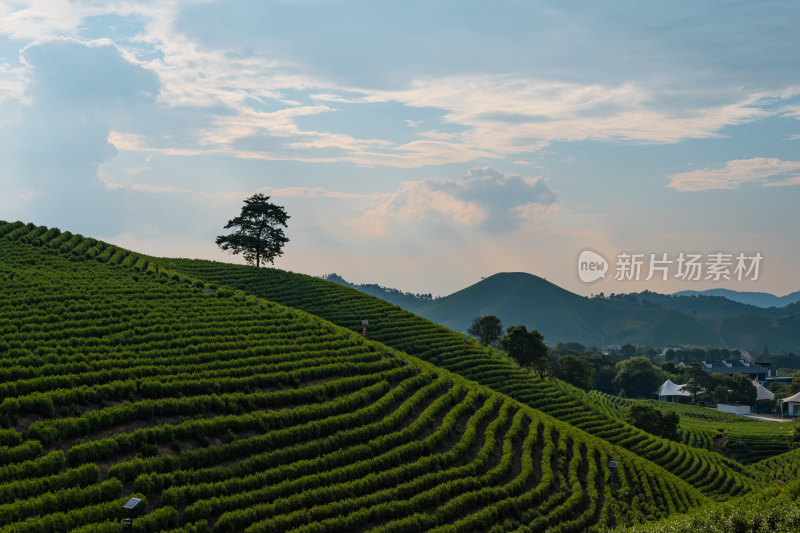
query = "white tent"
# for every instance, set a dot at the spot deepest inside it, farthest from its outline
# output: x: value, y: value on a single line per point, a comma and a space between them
x: 763, y: 393
x: 671, y: 389
x: 792, y: 404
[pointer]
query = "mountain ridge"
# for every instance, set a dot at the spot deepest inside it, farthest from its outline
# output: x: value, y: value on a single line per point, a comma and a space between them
x: 758, y: 299
x: 637, y: 318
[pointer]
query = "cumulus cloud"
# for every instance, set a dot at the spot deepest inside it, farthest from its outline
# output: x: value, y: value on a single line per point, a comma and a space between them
x: 484, y: 199
x: 59, y: 137
x: 86, y: 76
x: 769, y: 172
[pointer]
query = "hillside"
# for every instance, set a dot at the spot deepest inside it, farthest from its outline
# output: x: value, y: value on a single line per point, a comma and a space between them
x: 747, y: 440
x: 755, y: 332
x: 222, y: 410
x: 709, y: 472
x: 774, y: 509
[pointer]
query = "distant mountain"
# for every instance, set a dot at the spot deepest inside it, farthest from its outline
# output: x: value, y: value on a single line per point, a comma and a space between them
x: 639, y: 318
x: 759, y: 299
x: 562, y: 316
x: 702, y: 305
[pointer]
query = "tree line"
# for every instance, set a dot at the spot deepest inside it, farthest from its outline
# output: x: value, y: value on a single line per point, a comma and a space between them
x: 636, y: 376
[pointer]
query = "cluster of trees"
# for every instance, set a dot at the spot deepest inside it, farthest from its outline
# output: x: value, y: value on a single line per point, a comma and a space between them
x: 720, y: 388
x: 639, y: 377
x: 687, y: 354
x: 634, y: 377
x: 654, y: 421
x: 525, y: 347
x: 571, y: 362
x: 684, y: 354
x: 784, y: 359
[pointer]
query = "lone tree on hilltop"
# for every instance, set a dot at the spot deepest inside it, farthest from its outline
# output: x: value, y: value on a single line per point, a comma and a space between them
x: 487, y: 329
x: 258, y: 235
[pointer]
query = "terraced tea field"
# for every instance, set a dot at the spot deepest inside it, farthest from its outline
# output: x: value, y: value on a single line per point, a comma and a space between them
x: 709, y: 472
x: 224, y: 411
x: 747, y: 440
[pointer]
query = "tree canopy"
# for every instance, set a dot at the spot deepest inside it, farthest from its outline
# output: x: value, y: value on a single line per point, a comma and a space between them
x: 576, y: 370
x: 526, y: 347
x: 258, y: 234
x: 697, y: 381
x: 639, y: 377
x: 654, y: 421
x: 736, y: 388
x: 487, y: 329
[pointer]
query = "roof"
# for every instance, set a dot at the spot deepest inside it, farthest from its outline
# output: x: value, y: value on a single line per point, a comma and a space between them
x: 733, y: 367
x: 794, y: 398
x: 671, y: 389
x: 763, y: 393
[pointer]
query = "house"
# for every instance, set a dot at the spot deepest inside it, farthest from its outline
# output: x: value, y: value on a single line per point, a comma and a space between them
x: 791, y: 406
x: 754, y: 371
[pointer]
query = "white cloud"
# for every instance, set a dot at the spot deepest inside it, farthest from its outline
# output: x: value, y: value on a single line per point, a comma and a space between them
x: 416, y: 201
x: 495, y: 115
x: 33, y: 19
x: 485, y: 199
x: 769, y: 172
x: 12, y: 83
x: 795, y: 180
x: 308, y: 192
x: 792, y: 111
x: 508, y: 115
x: 55, y: 143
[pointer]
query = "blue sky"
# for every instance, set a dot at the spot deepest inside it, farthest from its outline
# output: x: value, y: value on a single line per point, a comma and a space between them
x: 420, y: 145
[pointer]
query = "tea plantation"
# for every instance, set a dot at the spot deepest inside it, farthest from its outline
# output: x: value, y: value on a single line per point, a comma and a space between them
x: 234, y: 399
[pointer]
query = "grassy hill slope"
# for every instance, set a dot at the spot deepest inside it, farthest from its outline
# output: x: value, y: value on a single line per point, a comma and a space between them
x: 774, y: 509
x: 228, y: 412
x: 746, y: 440
x: 709, y: 472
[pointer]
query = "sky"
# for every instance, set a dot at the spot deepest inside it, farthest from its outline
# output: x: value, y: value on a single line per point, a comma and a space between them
x: 418, y: 145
